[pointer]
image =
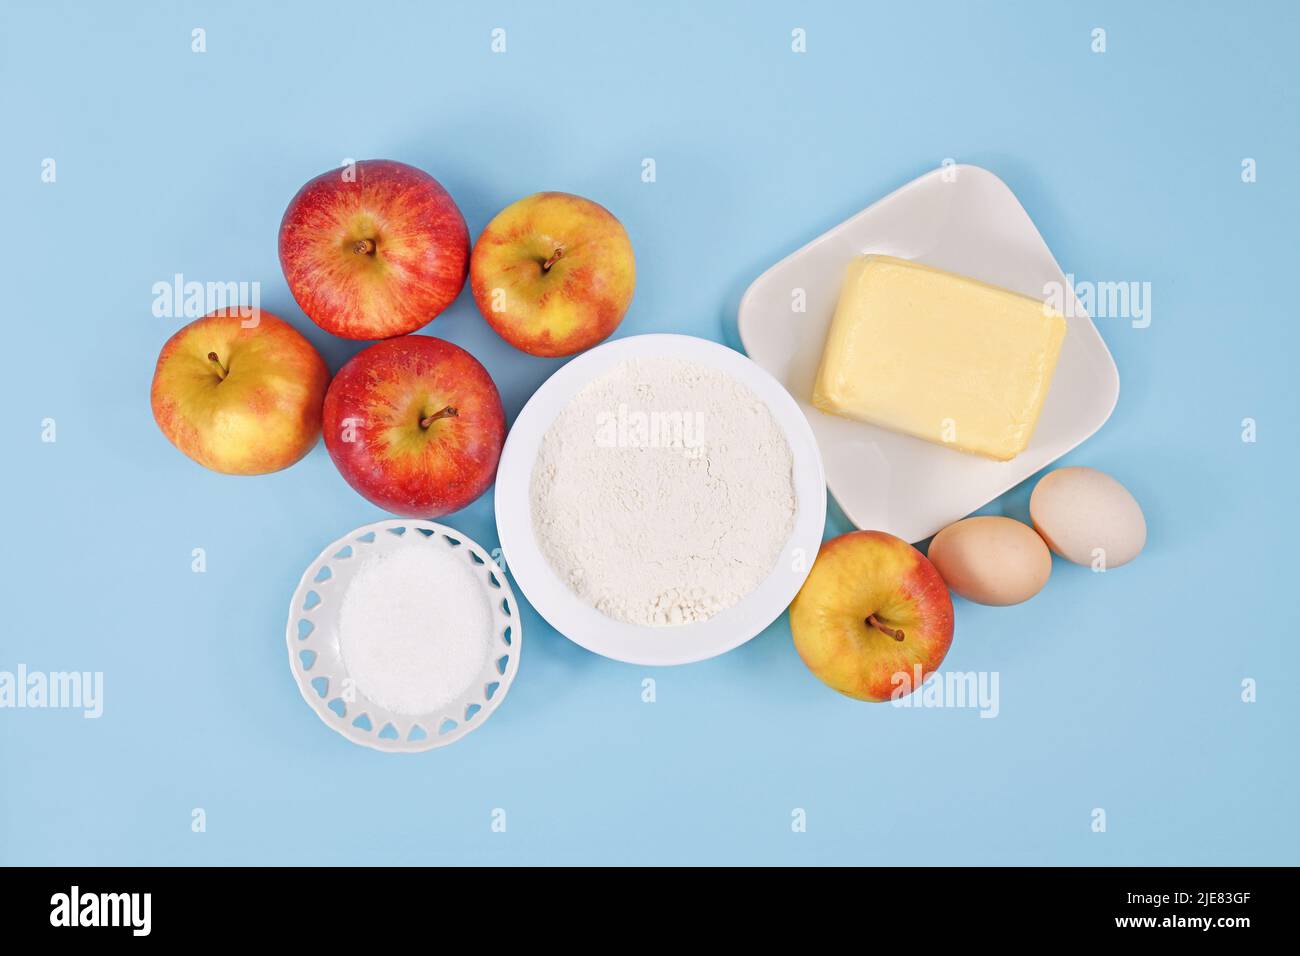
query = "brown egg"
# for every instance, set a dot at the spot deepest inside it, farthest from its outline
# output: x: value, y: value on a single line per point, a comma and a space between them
x: 1088, y: 517
x: 991, y: 560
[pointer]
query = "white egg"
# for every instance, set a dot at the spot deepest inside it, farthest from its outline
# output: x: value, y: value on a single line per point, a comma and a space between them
x: 1088, y: 517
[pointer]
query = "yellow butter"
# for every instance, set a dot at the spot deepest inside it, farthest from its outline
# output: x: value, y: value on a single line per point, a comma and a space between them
x: 939, y: 356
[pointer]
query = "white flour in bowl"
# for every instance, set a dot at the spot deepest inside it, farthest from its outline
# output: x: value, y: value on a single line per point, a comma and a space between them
x: 663, y: 493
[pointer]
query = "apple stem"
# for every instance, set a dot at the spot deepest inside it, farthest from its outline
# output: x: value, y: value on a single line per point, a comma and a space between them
x: 895, y: 633
x: 448, y: 412
x: 555, y: 257
x: 364, y: 247
x: 212, y: 357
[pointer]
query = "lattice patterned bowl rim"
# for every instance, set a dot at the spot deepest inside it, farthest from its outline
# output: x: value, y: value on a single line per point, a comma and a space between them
x: 314, y: 650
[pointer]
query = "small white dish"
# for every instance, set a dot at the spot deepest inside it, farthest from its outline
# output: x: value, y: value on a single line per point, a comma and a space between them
x: 620, y: 640
x: 966, y: 220
x: 317, y: 665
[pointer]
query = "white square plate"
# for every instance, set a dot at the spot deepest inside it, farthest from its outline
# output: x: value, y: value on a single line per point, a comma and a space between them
x: 963, y: 219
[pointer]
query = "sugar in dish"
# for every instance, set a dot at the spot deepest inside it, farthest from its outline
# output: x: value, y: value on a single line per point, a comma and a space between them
x: 415, y: 628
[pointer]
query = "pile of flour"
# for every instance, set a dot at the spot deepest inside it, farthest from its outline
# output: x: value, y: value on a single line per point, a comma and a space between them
x: 663, y: 493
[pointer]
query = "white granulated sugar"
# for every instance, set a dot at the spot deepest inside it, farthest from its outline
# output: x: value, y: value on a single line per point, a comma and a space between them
x: 663, y: 492
x: 415, y: 627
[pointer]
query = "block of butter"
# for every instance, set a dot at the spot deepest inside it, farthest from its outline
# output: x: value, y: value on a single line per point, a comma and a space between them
x: 939, y: 356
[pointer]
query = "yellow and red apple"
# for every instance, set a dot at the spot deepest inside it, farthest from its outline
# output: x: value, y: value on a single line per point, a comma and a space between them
x: 415, y: 425
x: 373, y: 250
x: 872, y: 614
x: 553, y: 273
x: 240, y: 395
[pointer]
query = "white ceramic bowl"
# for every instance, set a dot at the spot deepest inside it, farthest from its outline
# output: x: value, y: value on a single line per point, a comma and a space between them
x: 317, y: 665
x: 960, y: 218
x: 620, y: 640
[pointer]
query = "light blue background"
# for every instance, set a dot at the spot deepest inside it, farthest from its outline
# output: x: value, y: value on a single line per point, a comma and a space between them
x: 1119, y: 691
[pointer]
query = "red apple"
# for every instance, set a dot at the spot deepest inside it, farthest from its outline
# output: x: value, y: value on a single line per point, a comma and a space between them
x: 415, y: 425
x: 873, y: 613
x: 240, y: 395
x: 373, y: 250
x: 553, y: 274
